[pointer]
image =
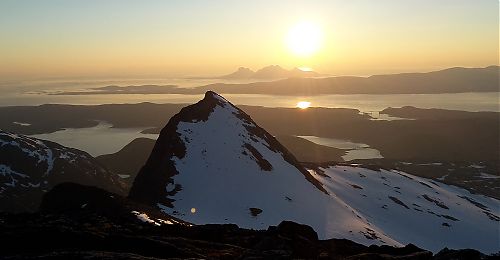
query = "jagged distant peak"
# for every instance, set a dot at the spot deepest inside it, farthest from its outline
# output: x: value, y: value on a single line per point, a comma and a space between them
x: 272, y: 67
x: 269, y: 72
x: 244, y: 69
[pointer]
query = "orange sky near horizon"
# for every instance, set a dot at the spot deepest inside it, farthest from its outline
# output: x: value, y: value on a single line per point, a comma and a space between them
x: 183, y: 38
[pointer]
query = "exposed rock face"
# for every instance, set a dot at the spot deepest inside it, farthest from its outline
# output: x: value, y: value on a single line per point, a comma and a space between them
x: 29, y: 167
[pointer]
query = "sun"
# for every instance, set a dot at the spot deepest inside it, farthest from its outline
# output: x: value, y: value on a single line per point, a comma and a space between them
x: 304, y: 39
x: 303, y: 104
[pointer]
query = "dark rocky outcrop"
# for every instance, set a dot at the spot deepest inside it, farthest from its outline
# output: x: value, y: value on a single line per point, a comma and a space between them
x: 80, y: 200
x: 82, y: 222
x: 78, y: 222
x: 128, y: 161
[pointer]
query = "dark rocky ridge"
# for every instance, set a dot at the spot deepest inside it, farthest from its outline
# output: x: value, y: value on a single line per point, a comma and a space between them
x: 29, y: 167
x: 129, y: 160
x: 79, y: 200
x: 105, y: 229
x: 155, y: 175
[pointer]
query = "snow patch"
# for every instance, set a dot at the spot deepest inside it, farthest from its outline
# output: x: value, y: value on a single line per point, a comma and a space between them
x: 34, y: 151
x: 21, y: 123
x: 442, y: 178
x: 8, y: 172
x: 431, y: 164
x: 424, y: 208
x: 145, y: 218
x: 475, y: 166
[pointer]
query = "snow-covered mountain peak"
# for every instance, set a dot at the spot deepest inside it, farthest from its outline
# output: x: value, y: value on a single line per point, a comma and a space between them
x: 211, y: 139
x: 213, y: 164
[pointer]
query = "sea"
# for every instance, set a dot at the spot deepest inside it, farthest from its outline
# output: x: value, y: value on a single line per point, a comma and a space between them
x: 37, y: 92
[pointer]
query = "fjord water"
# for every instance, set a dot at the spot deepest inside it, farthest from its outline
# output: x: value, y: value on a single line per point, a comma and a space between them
x: 486, y: 101
x: 97, y: 140
x: 35, y: 93
x: 353, y: 150
x: 104, y: 139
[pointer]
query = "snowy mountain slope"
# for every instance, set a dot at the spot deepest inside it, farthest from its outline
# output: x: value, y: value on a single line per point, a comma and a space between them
x: 29, y: 167
x: 213, y: 164
x: 416, y: 210
x: 220, y: 167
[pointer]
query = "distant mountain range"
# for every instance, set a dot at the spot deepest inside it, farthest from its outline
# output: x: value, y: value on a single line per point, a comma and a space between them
x: 296, y: 82
x: 270, y: 72
x: 453, y: 80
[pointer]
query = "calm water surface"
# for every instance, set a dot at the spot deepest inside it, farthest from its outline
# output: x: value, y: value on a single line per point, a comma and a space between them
x: 22, y: 93
x: 353, y: 150
x: 97, y: 140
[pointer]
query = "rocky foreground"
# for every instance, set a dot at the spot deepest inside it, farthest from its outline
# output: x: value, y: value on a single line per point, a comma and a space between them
x: 108, y: 226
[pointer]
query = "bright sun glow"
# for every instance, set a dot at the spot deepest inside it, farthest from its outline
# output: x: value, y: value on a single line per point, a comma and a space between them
x: 303, y: 104
x: 304, y: 39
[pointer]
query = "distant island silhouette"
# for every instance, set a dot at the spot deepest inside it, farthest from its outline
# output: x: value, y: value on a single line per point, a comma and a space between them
x: 295, y: 83
x: 270, y: 72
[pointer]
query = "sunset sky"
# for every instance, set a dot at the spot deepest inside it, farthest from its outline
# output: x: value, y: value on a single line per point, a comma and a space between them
x: 119, y: 38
